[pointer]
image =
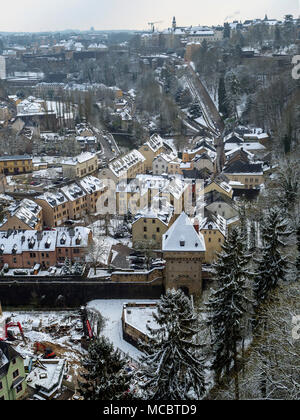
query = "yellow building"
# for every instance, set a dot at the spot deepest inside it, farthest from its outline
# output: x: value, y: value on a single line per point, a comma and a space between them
x: 151, y: 224
x: 27, y: 215
x: 213, y: 229
x: 248, y: 175
x: 127, y: 167
x: 55, y: 208
x: 80, y: 166
x: 151, y: 149
x: 15, y: 165
x: 220, y: 186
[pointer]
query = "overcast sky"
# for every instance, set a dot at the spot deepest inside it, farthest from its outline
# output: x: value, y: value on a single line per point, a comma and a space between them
x: 51, y: 15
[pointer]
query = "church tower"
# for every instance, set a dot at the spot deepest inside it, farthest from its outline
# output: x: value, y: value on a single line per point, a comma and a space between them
x: 174, y: 25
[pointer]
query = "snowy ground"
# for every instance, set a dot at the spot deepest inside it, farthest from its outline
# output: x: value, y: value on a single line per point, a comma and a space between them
x: 57, y: 329
x: 111, y: 310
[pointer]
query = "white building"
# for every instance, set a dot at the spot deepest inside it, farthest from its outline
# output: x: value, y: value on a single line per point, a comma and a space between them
x: 2, y: 68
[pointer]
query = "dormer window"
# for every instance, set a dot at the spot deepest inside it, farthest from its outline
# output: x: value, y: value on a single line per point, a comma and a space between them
x: 182, y: 243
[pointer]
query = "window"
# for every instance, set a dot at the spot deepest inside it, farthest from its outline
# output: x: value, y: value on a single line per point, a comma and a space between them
x: 1, y: 386
x: 157, y: 230
x: 16, y: 373
x: 19, y: 388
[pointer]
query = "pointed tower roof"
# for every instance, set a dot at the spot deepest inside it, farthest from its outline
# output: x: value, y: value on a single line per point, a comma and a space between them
x: 182, y: 237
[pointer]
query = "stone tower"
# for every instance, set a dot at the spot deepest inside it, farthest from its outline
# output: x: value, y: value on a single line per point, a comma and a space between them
x: 184, y: 252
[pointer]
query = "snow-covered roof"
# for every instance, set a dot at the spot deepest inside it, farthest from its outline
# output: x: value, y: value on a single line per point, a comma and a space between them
x: 73, y: 192
x: 27, y: 212
x: 155, y: 142
x: 17, y: 242
x: 182, y: 237
x: 120, y: 166
x: 213, y: 222
x: 83, y: 157
x: 91, y: 184
x: 54, y: 199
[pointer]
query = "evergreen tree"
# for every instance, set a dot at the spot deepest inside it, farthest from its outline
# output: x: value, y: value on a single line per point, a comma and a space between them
x: 171, y: 367
x: 195, y: 110
x: 222, y: 98
x: 227, y: 30
x: 67, y: 268
x: 277, y: 37
x: 271, y: 264
x: 298, y: 248
x: 228, y: 305
x: 252, y: 238
x: 105, y: 377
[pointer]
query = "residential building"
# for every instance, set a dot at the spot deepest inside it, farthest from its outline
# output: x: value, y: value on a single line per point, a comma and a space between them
x: 55, y: 208
x: 152, y: 223
x: 12, y: 373
x: 80, y: 166
x: 26, y: 215
x: 127, y: 167
x: 94, y: 188
x: 220, y: 204
x: 151, y: 149
x: 15, y: 165
x: 201, y: 147
x: 250, y: 175
x: 26, y: 249
x: 77, y: 201
x: 213, y: 229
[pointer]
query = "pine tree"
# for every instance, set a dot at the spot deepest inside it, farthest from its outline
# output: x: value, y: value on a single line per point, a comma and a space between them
x: 105, y: 377
x: 298, y: 248
x: 222, y: 98
x: 228, y: 305
x: 171, y: 367
x: 67, y: 268
x: 252, y: 238
x: 271, y: 264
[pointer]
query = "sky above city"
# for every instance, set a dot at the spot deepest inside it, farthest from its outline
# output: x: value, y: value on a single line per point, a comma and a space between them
x: 37, y: 15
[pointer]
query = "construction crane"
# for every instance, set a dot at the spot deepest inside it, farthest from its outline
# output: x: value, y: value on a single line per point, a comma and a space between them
x: 152, y: 25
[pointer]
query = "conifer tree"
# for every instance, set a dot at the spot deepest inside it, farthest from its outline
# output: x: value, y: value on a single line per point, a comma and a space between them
x: 105, y: 377
x: 222, y: 98
x: 228, y: 305
x: 271, y: 264
x: 171, y: 368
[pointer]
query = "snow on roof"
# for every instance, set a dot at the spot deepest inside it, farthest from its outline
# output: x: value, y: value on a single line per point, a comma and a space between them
x: 72, y: 237
x: 161, y: 209
x: 49, y: 379
x: 182, y: 237
x: 155, y: 142
x: 17, y: 242
x: 213, y: 222
x: 54, y: 199
x: 73, y: 192
x: 83, y: 157
x: 120, y: 166
x: 26, y: 211
x: 91, y: 184
x: 140, y: 317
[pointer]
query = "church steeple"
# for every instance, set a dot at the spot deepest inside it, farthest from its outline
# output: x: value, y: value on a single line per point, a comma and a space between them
x: 174, y: 23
